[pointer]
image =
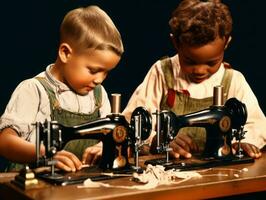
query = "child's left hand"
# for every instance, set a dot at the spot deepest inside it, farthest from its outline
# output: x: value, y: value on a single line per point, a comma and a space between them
x: 250, y: 149
x: 92, y: 154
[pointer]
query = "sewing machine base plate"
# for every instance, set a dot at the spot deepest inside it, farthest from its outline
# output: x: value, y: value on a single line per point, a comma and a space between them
x: 94, y: 173
x: 197, y: 162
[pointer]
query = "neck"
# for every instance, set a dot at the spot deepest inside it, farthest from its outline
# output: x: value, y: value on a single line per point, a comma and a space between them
x: 56, y: 71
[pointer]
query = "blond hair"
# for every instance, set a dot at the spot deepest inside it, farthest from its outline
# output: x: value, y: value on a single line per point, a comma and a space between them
x: 90, y: 28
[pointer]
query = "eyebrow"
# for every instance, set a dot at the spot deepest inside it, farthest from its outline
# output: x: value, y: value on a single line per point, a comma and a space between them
x: 98, y: 68
x: 212, y: 60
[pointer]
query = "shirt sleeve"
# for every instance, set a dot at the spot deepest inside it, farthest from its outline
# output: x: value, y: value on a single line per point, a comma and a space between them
x: 149, y: 93
x: 256, y: 122
x: 22, y: 108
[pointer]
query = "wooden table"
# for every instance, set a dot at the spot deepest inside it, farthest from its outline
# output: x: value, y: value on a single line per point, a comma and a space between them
x: 243, y: 185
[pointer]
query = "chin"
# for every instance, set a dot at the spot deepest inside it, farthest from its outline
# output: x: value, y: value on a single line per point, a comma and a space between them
x: 198, y: 80
x: 83, y: 92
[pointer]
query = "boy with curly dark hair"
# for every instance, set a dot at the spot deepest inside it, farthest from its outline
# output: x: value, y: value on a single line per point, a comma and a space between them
x: 183, y: 83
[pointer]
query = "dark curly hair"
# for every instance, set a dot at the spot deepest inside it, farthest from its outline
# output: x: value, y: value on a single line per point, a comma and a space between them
x: 198, y: 22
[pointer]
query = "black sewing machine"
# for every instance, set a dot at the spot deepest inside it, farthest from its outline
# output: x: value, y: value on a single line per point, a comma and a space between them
x: 116, y: 134
x: 221, y: 122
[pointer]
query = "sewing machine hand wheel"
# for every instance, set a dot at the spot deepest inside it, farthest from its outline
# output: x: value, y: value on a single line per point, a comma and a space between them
x: 238, y: 110
x: 146, y: 122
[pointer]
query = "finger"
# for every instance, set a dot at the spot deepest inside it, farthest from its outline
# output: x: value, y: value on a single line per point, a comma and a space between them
x: 195, y: 147
x: 62, y: 166
x: 74, y: 159
x: 187, y: 143
x: 248, y: 149
x: 89, y: 159
x: 87, y: 156
x: 95, y: 159
x: 97, y: 152
x: 179, y: 151
x: 92, y: 154
x: 70, y: 159
x: 182, y: 142
x: 174, y: 154
x: 190, y: 143
x: 251, y: 150
x: 84, y: 157
x: 64, y: 163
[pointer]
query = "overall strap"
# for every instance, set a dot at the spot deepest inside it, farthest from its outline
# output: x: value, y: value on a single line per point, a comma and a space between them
x: 54, y: 103
x: 98, y: 95
x: 226, y: 81
x: 166, y: 65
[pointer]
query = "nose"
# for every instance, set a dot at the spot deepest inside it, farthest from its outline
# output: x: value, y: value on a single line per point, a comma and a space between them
x: 99, y: 78
x: 200, y: 69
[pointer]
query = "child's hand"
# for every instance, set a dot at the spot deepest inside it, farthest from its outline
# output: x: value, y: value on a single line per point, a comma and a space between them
x: 182, y: 145
x: 250, y: 149
x: 67, y: 161
x: 92, y: 154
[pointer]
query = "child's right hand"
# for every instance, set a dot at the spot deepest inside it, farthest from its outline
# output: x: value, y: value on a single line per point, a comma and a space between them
x: 67, y: 161
x: 182, y: 146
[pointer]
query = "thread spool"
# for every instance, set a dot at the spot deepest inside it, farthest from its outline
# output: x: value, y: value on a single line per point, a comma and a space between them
x: 116, y: 103
x: 218, y: 95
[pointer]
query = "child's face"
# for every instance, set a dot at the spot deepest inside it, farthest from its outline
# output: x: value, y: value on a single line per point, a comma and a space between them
x: 83, y: 71
x: 199, y: 63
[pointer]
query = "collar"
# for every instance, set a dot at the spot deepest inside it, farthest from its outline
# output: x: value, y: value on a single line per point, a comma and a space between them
x: 217, y: 76
x: 60, y: 87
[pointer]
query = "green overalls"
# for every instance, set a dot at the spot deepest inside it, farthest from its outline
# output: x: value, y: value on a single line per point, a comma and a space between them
x: 67, y: 118
x: 181, y: 104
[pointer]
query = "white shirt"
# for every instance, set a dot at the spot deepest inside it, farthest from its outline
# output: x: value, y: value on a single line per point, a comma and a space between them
x: 30, y: 103
x: 149, y: 94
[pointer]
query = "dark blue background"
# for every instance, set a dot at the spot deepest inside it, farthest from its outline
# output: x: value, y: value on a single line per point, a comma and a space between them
x: 29, y: 37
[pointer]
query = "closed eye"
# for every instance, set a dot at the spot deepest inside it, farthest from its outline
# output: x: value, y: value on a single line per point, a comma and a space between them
x: 212, y: 63
x: 93, y: 70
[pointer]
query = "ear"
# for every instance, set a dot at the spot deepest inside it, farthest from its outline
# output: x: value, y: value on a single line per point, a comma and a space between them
x: 227, y: 42
x: 172, y: 37
x: 64, y: 52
